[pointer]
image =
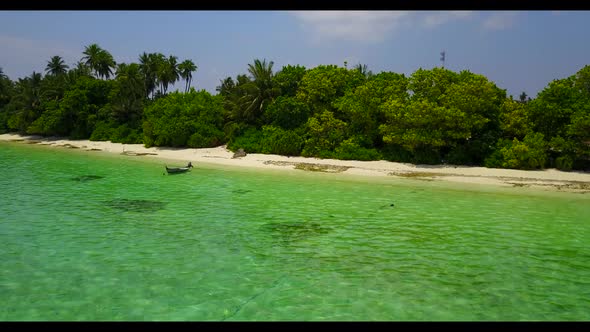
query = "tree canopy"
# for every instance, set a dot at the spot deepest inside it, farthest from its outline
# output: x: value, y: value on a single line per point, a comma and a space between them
x: 429, y: 116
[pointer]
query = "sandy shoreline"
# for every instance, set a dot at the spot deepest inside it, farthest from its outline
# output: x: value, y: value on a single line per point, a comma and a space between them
x: 550, y: 179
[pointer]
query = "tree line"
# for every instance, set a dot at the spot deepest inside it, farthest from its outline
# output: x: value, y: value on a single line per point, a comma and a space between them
x: 432, y: 116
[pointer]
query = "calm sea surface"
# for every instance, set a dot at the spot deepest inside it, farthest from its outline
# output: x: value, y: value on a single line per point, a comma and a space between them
x: 92, y: 236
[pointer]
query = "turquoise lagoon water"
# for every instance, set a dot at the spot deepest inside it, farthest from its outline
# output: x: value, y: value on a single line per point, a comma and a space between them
x: 92, y: 236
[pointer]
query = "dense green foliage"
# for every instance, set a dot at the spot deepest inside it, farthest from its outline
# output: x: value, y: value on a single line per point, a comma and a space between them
x: 193, y: 119
x: 431, y: 116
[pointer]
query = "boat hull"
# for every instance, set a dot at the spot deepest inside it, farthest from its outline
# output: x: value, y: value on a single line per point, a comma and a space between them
x: 177, y: 170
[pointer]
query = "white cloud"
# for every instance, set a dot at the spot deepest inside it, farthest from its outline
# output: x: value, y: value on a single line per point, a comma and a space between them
x: 351, y: 25
x: 500, y: 20
x: 369, y: 26
x: 436, y: 19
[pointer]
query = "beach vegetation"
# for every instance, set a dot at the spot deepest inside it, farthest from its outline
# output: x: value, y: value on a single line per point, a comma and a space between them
x: 431, y: 116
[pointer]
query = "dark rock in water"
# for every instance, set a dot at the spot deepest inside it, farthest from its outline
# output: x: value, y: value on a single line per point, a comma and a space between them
x: 294, y: 231
x: 240, y: 153
x: 136, y: 205
x: 84, y: 178
x: 241, y: 191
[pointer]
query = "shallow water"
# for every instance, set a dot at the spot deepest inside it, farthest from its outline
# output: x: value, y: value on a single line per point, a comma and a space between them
x: 92, y: 236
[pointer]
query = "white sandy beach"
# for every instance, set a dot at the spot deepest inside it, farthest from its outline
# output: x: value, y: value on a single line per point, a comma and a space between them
x: 549, y: 179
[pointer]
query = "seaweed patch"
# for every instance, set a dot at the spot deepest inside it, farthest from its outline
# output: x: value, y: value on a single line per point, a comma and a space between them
x: 295, y: 231
x: 241, y: 191
x: 84, y: 178
x: 136, y: 205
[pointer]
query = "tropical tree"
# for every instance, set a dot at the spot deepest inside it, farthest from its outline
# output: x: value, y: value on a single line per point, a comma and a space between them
x: 186, y: 69
x: 361, y: 107
x: 53, y: 87
x: 363, y: 70
x: 99, y: 60
x: 423, y: 124
x: 582, y: 80
x: 514, y: 121
x: 553, y: 107
x: 226, y: 87
x: 286, y: 112
x: 91, y: 57
x: 233, y: 93
x: 106, y: 65
x: 149, y: 64
x: 128, y: 94
x: 82, y: 69
x: 527, y: 154
x: 5, y: 88
x: 25, y: 104
x: 288, y: 79
x: 323, y: 85
x: 325, y: 133
x: 431, y: 84
x: 57, y: 79
x: 75, y: 73
x: 167, y: 72
x: 180, y: 119
x: 31, y: 90
x: 6, y: 91
x: 56, y: 66
x: 76, y: 113
x: 260, y: 91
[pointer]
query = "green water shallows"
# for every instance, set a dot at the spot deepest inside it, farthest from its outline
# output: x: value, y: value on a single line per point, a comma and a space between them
x: 91, y: 236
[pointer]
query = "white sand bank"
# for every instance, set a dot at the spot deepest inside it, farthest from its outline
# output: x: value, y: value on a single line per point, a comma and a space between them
x: 550, y: 179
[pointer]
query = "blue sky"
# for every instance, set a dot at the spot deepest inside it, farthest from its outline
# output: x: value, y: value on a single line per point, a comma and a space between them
x: 518, y: 50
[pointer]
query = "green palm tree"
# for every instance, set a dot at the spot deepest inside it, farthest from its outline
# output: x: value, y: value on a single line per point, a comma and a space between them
x: 91, y: 57
x: 260, y: 91
x: 53, y: 87
x: 130, y: 93
x: 99, y: 60
x: 226, y: 87
x: 131, y: 76
x: 27, y: 101
x: 5, y: 88
x: 31, y: 90
x: 168, y: 72
x: 56, y: 66
x: 149, y: 70
x: 363, y: 70
x: 81, y: 69
x: 106, y: 65
x: 186, y: 69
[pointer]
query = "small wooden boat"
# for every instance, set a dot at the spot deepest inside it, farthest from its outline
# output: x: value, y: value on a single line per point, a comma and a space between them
x: 177, y: 170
